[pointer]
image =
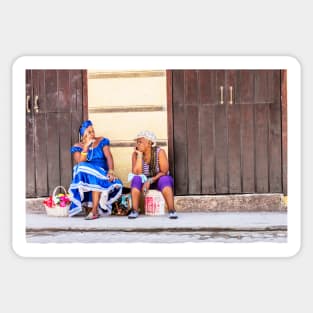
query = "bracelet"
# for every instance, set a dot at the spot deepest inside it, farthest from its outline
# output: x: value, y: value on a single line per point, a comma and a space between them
x: 83, y: 153
x: 111, y: 172
x: 150, y: 180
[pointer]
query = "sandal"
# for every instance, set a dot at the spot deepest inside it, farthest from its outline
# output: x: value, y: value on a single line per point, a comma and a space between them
x: 92, y: 216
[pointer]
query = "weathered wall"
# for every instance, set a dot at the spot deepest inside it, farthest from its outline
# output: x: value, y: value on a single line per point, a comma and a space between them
x: 122, y: 103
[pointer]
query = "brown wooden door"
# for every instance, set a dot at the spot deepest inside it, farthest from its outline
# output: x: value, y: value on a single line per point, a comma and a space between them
x: 54, y: 111
x: 227, y: 135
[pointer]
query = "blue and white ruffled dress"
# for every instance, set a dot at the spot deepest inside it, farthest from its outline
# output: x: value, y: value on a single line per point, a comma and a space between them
x: 92, y: 176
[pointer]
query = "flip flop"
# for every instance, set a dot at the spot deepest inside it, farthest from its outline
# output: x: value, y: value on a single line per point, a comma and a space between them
x: 90, y: 216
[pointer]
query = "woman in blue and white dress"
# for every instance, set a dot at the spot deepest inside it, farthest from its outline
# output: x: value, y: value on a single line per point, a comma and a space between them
x: 94, y: 183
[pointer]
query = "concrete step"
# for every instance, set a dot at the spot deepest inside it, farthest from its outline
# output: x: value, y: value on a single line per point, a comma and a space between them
x: 210, y: 203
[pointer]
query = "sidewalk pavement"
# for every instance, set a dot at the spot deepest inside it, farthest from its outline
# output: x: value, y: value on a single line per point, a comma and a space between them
x: 195, y: 221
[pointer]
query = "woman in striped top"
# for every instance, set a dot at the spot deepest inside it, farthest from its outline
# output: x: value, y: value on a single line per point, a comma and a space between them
x: 150, y: 170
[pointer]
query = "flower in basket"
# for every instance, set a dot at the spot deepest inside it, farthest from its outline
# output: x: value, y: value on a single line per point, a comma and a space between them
x: 49, y: 202
x: 61, y: 199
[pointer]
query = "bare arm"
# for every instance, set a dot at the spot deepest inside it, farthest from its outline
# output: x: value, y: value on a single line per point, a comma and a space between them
x: 109, y: 157
x: 81, y: 156
x: 137, y: 162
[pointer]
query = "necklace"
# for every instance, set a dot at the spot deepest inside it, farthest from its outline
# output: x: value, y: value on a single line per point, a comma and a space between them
x: 90, y: 149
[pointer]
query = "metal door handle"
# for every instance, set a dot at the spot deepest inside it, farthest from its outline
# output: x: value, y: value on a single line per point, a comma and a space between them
x: 27, y: 104
x: 36, y: 106
x: 231, y: 100
x: 222, y: 95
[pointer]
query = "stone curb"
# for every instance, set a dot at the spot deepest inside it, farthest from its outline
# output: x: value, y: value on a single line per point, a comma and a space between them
x: 159, y: 229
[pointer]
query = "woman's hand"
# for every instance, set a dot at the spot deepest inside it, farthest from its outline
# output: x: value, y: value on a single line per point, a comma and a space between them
x: 145, y: 187
x: 139, y: 153
x: 88, y: 142
x: 111, y: 177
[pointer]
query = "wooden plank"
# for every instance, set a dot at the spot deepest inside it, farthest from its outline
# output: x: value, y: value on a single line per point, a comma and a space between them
x: 261, y: 148
x: 233, y: 116
x: 63, y: 91
x: 208, y: 97
x: 247, y: 147
x: 246, y: 98
x: 53, y: 151
x: 245, y: 87
x: 41, y: 90
x: 76, y: 106
x: 208, y: 89
x: 64, y: 132
x: 84, y: 95
x: 275, y: 136
x: 221, y: 153
x: 170, y: 121
x: 30, y: 159
x: 264, y: 86
x: 41, y: 155
x: 284, y: 129
x: 51, y: 91
x: 193, y: 143
x: 179, y: 130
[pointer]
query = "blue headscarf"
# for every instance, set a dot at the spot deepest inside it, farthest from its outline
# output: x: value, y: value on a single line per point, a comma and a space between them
x: 84, y: 126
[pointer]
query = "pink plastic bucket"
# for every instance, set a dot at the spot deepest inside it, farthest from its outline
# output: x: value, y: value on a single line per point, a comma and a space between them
x: 154, y: 203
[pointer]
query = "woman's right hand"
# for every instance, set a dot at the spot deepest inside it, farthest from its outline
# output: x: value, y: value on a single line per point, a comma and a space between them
x: 139, y: 153
x: 87, y: 142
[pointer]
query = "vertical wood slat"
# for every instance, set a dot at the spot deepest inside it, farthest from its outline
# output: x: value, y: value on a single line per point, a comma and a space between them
x: 179, y: 130
x: 51, y: 91
x: 170, y: 121
x: 264, y: 88
x: 30, y: 130
x: 63, y: 90
x: 275, y: 134
x: 261, y: 149
x: 284, y: 129
x: 84, y: 94
x: 208, y: 100
x: 76, y: 87
x: 245, y: 97
x: 40, y: 137
x: 221, y: 153
x: 193, y: 144
x: 64, y: 132
x: 53, y: 153
x: 233, y: 116
x: 41, y: 143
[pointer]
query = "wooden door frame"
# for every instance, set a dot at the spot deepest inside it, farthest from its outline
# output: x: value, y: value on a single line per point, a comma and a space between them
x: 283, y: 80
x: 85, y: 94
x: 283, y: 87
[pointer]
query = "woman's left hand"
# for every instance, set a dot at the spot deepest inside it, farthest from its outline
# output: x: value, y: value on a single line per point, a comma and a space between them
x: 146, y: 187
x: 111, y: 177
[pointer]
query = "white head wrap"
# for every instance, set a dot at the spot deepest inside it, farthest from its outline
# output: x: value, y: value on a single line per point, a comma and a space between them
x: 148, y: 135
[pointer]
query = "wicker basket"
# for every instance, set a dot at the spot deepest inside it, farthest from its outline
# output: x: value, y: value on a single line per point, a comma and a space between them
x: 57, y: 210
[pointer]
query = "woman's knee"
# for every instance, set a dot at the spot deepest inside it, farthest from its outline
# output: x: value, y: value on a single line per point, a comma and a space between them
x: 136, y: 182
x: 165, y: 181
